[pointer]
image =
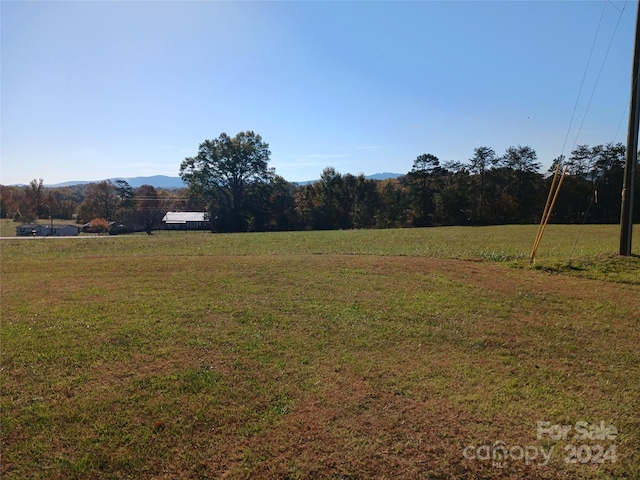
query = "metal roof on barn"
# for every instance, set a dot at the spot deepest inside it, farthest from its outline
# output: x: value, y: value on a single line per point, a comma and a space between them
x: 184, y: 217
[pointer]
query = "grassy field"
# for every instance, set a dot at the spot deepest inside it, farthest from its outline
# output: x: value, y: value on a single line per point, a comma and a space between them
x: 345, y: 354
x: 8, y: 228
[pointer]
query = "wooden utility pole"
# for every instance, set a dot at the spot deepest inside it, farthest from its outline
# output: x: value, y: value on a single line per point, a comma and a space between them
x: 626, y: 209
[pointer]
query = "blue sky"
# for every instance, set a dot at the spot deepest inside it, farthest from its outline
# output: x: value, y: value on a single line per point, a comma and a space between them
x: 93, y: 90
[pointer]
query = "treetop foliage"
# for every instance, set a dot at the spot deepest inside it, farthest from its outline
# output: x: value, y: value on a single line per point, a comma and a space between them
x: 224, y: 169
x: 227, y: 162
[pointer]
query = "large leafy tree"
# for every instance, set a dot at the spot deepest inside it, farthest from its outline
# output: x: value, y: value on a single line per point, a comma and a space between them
x: 332, y: 211
x: 125, y: 192
x: 126, y: 203
x: 148, y: 207
x: 424, y: 168
x: 223, y: 171
x: 366, y: 202
x: 484, y: 159
x: 521, y: 192
x: 394, y: 203
x: 7, y: 203
x: 100, y: 202
x: 279, y: 211
x: 36, y: 196
x: 607, y: 172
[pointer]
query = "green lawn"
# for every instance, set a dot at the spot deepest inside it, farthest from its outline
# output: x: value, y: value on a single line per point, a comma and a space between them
x: 8, y: 228
x: 341, y: 354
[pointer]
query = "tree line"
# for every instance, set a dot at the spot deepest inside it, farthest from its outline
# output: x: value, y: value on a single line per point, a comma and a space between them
x: 230, y: 178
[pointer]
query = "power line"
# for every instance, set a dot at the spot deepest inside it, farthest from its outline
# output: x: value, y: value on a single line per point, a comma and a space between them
x: 616, y: 7
x: 621, y: 11
x: 595, y: 87
x: 584, y: 76
x: 622, y: 117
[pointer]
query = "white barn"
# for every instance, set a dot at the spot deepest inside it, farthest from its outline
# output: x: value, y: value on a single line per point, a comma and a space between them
x: 186, y: 221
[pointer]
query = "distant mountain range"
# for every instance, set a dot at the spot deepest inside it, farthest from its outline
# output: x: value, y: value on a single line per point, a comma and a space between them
x: 383, y: 176
x: 375, y: 176
x: 163, y: 181
x: 158, y: 181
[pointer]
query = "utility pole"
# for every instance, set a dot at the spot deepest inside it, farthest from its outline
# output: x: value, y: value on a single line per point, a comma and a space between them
x: 626, y: 209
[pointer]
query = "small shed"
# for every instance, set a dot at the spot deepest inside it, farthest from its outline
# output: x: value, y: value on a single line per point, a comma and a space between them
x: 186, y: 221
